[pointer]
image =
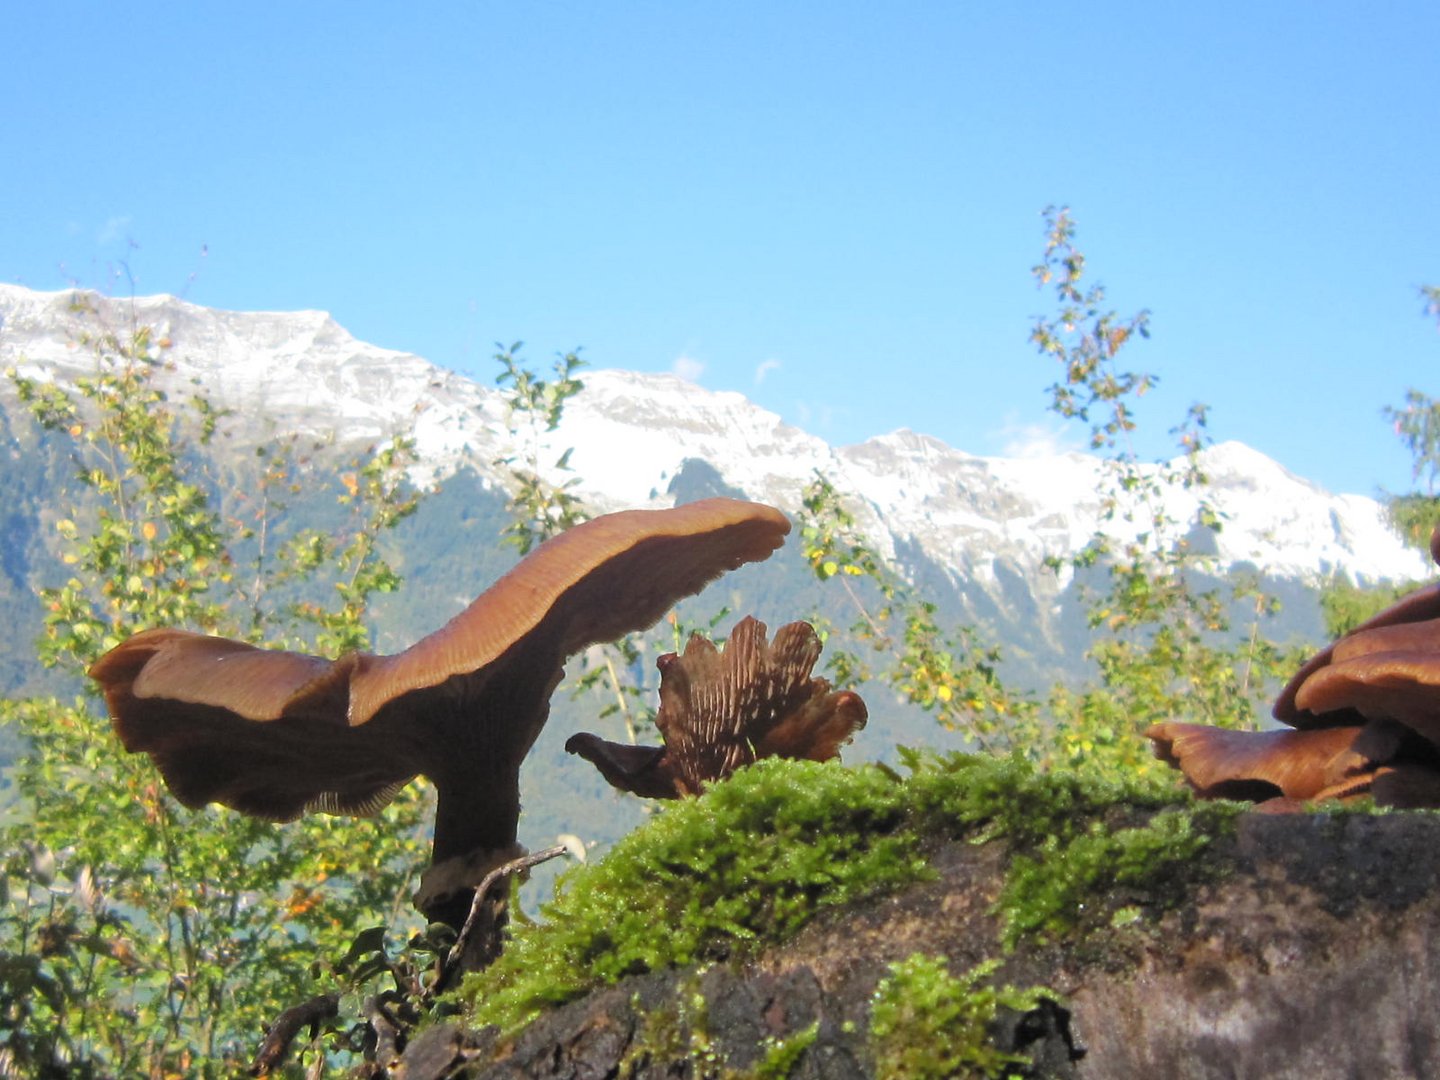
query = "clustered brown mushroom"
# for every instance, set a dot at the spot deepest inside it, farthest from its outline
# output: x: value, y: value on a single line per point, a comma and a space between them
x: 722, y: 709
x: 1366, y: 717
x: 276, y: 734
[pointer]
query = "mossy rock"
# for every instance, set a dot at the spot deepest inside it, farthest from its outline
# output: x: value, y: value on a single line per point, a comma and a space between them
x: 796, y: 875
x: 1110, y: 930
x: 764, y: 854
x: 1315, y: 953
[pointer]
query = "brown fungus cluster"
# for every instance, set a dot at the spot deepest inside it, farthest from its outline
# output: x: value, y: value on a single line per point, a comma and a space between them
x: 722, y: 709
x: 277, y: 734
x: 1363, y: 716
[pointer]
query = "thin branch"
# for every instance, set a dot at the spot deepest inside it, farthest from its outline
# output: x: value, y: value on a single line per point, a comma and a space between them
x: 386, y: 1029
x: 620, y: 702
x: 457, y: 951
x: 276, y: 1047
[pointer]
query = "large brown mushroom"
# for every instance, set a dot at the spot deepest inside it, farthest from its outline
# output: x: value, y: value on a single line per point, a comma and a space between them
x: 276, y: 734
x: 722, y: 709
x: 1367, y: 710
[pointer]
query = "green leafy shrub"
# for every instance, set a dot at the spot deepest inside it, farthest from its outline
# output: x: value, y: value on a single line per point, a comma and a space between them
x: 951, y: 674
x: 191, y: 930
x: 1412, y: 515
x: 1164, y: 645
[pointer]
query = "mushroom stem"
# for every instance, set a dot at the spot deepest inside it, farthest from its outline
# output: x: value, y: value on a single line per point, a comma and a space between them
x: 470, y: 839
x: 466, y: 819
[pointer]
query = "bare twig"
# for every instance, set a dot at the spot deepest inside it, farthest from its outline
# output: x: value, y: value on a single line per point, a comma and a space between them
x: 387, y: 1031
x: 454, y: 959
x: 620, y: 702
x: 276, y: 1046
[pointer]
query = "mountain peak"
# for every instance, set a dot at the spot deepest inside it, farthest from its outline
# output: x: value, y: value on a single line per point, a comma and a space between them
x: 632, y: 433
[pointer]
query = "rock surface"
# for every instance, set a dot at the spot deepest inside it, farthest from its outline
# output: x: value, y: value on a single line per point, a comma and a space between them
x: 1314, y: 952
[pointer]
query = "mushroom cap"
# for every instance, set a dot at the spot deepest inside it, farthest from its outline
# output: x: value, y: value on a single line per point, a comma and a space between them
x: 1387, y: 668
x: 259, y: 730
x: 720, y: 709
x: 1401, y: 684
x: 783, y: 711
x: 1393, y: 630
x: 640, y: 770
x: 1255, y: 765
x: 612, y: 575
x: 274, y: 733
x: 724, y: 708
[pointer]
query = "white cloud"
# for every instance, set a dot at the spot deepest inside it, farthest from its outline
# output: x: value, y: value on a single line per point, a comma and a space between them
x: 688, y: 368
x: 764, y: 368
x: 1043, y: 439
x: 115, y: 229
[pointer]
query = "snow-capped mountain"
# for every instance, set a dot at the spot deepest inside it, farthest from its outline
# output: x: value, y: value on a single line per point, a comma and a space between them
x: 976, y: 518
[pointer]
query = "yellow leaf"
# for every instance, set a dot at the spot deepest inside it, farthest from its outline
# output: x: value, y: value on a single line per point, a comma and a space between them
x: 148, y: 530
x: 943, y: 692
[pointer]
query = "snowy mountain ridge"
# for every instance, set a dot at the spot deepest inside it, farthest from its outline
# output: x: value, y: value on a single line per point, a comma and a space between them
x: 977, y: 518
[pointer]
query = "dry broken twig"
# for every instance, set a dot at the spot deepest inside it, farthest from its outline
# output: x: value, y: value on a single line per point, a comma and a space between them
x: 287, y: 1025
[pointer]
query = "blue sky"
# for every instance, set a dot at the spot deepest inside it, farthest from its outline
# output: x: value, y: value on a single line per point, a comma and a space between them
x: 831, y: 208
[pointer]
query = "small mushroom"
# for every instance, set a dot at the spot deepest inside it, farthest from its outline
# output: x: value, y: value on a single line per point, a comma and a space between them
x: 276, y: 734
x: 721, y: 709
x: 1300, y: 766
x: 1368, y: 712
x: 1409, y: 625
x: 1386, y: 672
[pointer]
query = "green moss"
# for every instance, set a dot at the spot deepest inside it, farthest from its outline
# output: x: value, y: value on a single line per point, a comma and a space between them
x: 926, y: 1024
x: 1048, y: 893
x: 673, y: 1033
x: 1076, y: 837
x: 748, y: 863
x: 781, y: 1055
x: 761, y: 854
x: 679, y: 1032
